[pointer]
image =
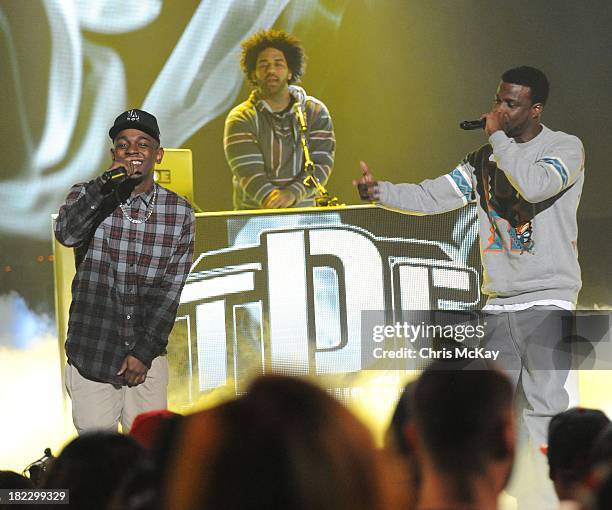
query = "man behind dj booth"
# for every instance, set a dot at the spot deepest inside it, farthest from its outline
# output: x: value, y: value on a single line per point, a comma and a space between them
x: 262, y: 135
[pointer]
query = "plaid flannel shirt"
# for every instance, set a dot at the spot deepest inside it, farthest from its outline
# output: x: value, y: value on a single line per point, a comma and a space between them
x: 129, y: 276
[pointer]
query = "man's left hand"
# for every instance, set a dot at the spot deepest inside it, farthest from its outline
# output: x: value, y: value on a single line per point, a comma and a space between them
x: 279, y: 198
x: 133, y: 370
x: 495, y: 122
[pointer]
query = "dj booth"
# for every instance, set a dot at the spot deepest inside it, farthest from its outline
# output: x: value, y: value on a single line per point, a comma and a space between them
x: 285, y: 291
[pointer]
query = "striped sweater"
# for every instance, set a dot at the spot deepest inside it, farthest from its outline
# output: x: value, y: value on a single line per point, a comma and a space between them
x: 264, y: 151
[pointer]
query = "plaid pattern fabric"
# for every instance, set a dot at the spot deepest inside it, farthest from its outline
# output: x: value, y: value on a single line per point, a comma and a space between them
x: 129, y: 276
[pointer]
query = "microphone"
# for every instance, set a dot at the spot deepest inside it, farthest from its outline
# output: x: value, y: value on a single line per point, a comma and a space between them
x: 112, y: 179
x: 114, y: 174
x: 473, y: 124
x: 299, y: 115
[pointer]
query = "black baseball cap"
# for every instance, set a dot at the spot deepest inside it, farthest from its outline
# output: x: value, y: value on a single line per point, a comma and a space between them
x: 135, y: 119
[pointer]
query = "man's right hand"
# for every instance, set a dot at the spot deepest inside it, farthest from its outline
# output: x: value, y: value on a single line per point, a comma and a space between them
x: 366, y: 184
x: 114, y: 176
x: 133, y: 371
x: 279, y: 199
x: 118, y: 176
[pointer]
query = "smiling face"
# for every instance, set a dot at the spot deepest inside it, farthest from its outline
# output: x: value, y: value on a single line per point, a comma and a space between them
x: 271, y: 73
x: 139, y: 152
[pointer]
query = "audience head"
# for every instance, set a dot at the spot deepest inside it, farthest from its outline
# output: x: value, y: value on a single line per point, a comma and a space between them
x: 465, y: 426
x: 571, y: 436
x: 92, y: 466
x: 399, y: 447
x: 150, y: 427
x: 12, y: 480
x: 286, y: 444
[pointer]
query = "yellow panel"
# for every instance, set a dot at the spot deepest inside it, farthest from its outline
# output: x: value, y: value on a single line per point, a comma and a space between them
x: 175, y: 172
x: 63, y: 273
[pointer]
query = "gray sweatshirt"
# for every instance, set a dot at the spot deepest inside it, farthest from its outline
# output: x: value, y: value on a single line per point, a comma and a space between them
x: 527, y: 196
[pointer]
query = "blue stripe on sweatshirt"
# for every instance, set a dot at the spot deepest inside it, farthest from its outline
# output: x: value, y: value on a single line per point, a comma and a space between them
x: 462, y: 183
x: 558, y: 166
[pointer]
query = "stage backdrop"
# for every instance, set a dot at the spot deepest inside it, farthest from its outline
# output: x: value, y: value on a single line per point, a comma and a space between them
x: 286, y: 292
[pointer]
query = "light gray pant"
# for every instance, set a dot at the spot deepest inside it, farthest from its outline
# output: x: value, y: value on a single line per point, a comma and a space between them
x: 101, y: 406
x: 535, y: 352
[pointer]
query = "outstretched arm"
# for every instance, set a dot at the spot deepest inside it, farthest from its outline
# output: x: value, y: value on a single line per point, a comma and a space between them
x: 431, y: 196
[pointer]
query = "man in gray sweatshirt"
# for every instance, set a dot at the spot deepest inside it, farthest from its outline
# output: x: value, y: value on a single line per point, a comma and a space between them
x: 527, y: 183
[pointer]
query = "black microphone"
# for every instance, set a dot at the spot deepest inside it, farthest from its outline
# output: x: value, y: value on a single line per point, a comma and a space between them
x: 473, y: 124
x: 112, y: 179
x: 114, y: 174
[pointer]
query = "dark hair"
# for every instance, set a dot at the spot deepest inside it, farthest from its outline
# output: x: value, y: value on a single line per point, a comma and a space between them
x: 600, y: 473
x: 602, y: 447
x: 279, y: 39
x: 285, y: 444
x: 529, y: 77
x: 571, y: 435
x: 12, y: 480
x: 601, y: 499
x: 92, y: 466
x: 460, y: 414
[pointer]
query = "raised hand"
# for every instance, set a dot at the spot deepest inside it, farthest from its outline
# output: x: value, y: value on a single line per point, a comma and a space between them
x: 367, y: 184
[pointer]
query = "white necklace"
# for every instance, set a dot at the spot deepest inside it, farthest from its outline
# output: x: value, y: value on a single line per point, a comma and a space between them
x: 149, y: 209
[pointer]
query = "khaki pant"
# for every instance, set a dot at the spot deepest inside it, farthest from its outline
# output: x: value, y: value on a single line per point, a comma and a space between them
x: 101, y: 406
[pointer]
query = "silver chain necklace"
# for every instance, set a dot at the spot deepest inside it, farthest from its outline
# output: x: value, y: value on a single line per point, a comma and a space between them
x: 149, y: 209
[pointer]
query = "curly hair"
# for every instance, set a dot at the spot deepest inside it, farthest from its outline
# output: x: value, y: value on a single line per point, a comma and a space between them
x: 279, y: 39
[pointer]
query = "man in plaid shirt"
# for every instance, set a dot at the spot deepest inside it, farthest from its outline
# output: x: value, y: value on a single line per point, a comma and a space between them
x: 133, y: 242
